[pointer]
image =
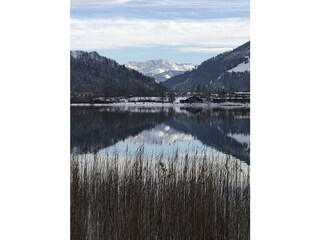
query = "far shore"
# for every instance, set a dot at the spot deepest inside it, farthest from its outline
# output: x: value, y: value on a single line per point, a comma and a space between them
x: 227, y: 105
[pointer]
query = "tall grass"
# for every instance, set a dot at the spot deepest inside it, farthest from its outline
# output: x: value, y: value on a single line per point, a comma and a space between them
x: 169, y: 197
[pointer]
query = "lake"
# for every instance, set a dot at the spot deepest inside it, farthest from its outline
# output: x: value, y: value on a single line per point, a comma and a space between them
x: 160, y: 130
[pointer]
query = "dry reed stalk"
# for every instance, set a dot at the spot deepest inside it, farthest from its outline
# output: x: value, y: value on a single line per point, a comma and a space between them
x: 168, y: 198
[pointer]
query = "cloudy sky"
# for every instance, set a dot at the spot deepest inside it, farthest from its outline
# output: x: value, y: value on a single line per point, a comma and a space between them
x: 182, y: 31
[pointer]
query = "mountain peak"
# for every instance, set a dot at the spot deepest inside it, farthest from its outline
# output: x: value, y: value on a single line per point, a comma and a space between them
x: 161, y: 61
x: 94, y: 76
x: 76, y: 53
x: 160, y: 69
x: 226, y: 72
x: 90, y: 55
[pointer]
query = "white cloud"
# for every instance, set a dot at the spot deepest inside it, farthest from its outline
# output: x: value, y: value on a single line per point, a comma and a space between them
x: 209, y: 35
x: 91, y: 2
x: 230, y: 3
x: 205, y: 49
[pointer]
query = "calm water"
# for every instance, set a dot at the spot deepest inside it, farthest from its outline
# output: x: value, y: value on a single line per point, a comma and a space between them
x: 160, y: 130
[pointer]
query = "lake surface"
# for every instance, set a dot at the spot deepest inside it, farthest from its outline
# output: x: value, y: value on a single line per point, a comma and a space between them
x: 103, y: 130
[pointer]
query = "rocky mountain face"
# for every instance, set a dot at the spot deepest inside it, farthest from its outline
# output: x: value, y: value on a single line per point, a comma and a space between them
x: 160, y: 69
x: 227, y: 72
x: 94, y: 76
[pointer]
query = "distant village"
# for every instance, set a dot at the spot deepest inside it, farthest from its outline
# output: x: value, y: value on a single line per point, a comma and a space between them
x: 182, y: 98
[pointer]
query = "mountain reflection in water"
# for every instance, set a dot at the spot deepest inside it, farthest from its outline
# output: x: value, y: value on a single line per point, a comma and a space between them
x: 96, y: 129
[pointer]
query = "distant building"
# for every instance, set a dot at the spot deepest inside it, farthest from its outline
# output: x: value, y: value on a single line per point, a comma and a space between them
x: 193, y: 99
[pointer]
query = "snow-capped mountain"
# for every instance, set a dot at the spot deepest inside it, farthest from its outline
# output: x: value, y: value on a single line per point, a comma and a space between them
x: 160, y: 69
x: 93, y: 76
x: 226, y: 72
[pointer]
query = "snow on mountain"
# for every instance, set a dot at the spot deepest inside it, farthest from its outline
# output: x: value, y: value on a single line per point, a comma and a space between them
x: 226, y: 72
x: 242, y: 67
x: 94, y: 76
x: 160, y: 69
x: 89, y: 55
x: 76, y: 54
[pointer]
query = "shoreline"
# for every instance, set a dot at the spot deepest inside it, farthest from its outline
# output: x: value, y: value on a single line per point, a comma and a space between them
x: 224, y: 105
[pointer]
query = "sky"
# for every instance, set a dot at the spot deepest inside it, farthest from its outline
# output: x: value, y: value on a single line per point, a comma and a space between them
x: 180, y: 31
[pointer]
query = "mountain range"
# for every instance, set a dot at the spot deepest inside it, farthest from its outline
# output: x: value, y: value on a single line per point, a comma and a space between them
x: 160, y: 69
x: 94, y: 76
x: 227, y: 72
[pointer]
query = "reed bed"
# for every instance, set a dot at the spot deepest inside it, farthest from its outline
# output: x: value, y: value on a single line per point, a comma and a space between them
x: 161, y: 197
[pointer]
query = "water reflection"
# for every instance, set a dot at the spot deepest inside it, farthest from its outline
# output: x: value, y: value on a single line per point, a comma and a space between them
x: 162, y: 134
x: 160, y: 129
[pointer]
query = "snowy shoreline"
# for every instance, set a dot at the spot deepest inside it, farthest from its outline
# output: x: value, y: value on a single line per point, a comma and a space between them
x: 224, y: 105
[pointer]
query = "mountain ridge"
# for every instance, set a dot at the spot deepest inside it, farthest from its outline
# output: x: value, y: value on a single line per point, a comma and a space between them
x: 226, y: 72
x: 160, y: 69
x: 93, y: 76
